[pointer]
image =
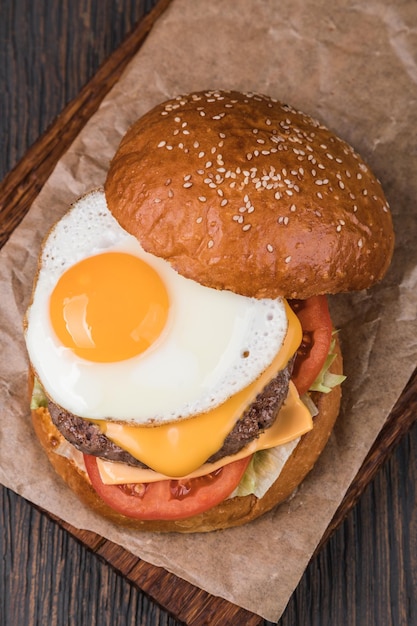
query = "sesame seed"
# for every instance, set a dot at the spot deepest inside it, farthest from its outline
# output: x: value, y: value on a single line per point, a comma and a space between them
x: 287, y: 259
x: 161, y: 144
x: 187, y: 185
x: 202, y: 198
x: 246, y: 227
x: 360, y: 243
x: 201, y: 154
x: 199, y: 220
x: 187, y: 177
x: 269, y: 247
x: 293, y: 208
x: 210, y: 243
x: 170, y: 193
x: 223, y: 202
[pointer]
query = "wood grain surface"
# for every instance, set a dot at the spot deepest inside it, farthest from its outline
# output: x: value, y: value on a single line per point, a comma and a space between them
x: 58, y: 59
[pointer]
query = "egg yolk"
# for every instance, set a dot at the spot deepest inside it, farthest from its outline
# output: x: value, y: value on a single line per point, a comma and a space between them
x: 109, y: 307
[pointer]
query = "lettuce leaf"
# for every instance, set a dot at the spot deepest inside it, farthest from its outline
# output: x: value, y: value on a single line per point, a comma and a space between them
x: 326, y: 381
x: 264, y: 469
x: 39, y: 398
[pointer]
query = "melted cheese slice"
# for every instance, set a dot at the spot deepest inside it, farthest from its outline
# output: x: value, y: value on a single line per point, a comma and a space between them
x: 179, y: 448
x: 293, y: 420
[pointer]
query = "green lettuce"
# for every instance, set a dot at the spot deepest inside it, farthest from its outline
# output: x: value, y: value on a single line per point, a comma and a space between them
x: 326, y: 381
x: 39, y: 398
x: 264, y: 469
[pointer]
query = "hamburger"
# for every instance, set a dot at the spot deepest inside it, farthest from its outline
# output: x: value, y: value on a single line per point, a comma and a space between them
x: 184, y: 370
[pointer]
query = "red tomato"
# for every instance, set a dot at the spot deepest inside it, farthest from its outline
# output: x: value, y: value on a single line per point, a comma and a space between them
x: 168, y: 499
x: 317, y: 328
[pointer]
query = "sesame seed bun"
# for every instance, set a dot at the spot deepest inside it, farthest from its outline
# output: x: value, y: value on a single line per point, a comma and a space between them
x: 231, y: 512
x: 240, y: 192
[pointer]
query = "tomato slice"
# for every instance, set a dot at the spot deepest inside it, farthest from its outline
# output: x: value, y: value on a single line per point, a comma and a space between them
x: 316, y: 323
x: 168, y: 499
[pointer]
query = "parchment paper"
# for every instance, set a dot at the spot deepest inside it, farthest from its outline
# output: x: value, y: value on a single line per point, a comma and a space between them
x: 352, y: 65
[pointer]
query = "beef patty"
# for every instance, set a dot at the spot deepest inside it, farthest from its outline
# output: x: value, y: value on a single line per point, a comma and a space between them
x: 261, y: 414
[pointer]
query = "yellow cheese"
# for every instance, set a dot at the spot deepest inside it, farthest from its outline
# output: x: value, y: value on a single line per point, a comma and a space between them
x: 179, y: 448
x: 293, y: 420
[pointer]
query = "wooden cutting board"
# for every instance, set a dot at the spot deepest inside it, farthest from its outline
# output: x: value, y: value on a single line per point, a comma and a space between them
x: 19, y: 189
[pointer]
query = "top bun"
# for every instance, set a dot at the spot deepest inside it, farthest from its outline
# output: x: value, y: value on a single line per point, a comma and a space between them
x: 241, y: 192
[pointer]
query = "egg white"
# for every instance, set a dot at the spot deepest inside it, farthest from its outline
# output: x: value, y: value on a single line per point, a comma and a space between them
x: 195, y: 364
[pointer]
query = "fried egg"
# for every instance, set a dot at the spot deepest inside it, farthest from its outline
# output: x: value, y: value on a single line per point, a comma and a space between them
x: 116, y: 333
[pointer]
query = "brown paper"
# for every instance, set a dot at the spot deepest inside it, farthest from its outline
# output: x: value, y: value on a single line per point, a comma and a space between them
x: 354, y: 66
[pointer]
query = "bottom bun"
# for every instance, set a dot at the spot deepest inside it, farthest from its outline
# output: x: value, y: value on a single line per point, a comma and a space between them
x: 233, y: 511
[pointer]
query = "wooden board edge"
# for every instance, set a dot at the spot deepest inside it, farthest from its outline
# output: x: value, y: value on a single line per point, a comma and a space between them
x: 397, y: 425
x: 187, y: 603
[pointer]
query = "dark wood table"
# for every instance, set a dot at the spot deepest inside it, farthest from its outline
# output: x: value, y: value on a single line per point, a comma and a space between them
x: 58, y: 58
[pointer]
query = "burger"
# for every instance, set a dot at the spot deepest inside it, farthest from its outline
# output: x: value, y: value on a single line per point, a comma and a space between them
x: 184, y: 369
